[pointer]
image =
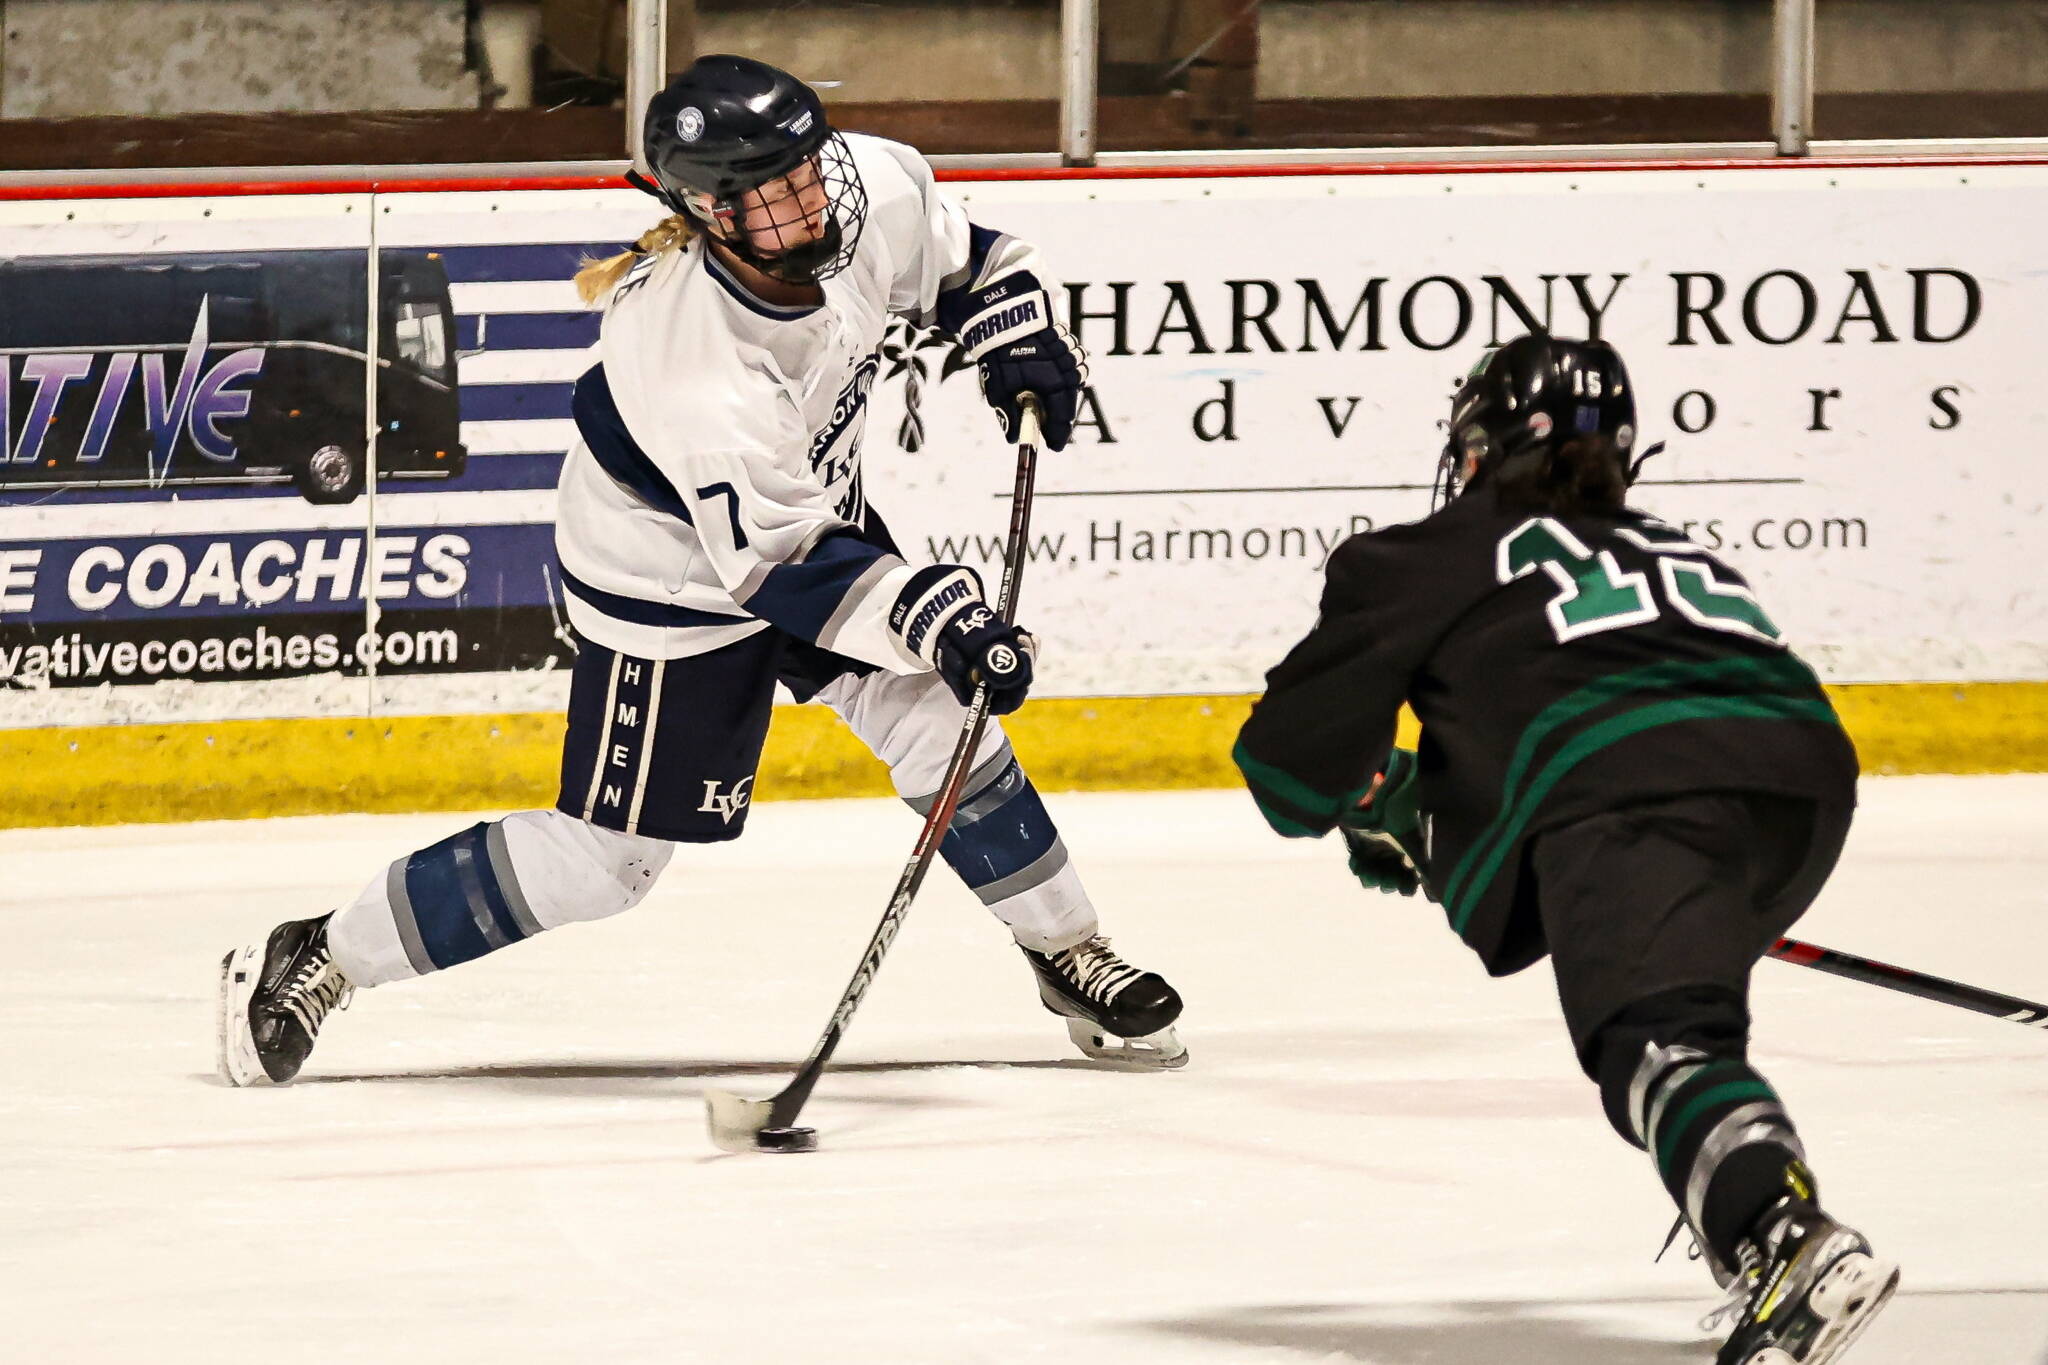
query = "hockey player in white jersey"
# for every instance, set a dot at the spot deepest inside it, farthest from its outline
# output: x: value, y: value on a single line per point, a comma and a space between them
x: 714, y: 540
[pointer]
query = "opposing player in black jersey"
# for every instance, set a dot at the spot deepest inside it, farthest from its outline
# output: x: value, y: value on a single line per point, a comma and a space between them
x: 1621, y: 766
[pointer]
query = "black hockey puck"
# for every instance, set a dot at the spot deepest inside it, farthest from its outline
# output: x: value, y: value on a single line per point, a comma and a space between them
x: 787, y: 1140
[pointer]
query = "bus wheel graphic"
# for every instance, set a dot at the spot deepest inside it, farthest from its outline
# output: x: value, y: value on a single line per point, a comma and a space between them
x: 333, y: 473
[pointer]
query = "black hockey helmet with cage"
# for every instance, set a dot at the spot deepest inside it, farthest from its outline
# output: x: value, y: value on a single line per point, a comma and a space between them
x: 729, y: 125
x: 1527, y: 398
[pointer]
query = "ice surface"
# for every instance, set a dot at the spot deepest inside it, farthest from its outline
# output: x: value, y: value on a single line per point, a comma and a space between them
x: 1376, y: 1154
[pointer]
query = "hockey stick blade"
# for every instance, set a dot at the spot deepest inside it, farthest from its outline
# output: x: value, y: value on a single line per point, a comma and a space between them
x: 739, y: 1124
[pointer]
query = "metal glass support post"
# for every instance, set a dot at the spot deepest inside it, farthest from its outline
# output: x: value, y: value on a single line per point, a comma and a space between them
x: 646, y: 63
x: 1080, y: 32
x: 1792, y: 82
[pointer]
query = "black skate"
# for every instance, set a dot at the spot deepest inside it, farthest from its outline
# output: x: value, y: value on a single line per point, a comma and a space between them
x: 1806, y: 1289
x: 272, y: 998
x: 1114, y: 1011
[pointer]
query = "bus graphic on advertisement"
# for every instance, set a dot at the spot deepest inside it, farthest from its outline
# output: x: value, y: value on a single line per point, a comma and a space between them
x: 166, y: 371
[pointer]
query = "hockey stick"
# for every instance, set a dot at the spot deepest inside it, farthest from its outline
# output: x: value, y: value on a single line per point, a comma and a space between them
x: 744, y: 1125
x: 2007, y: 1007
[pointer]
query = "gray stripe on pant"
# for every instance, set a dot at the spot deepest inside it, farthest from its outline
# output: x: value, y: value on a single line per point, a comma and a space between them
x: 1037, y: 874
x: 971, y: 807
x: 401, y: 914
x: 1666, y: 1088
x: 508, y: 882
x: 473, y: 892
x: 991, y: 798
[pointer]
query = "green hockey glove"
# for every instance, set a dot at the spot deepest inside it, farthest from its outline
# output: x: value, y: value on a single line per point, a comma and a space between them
x: 1384, y: 836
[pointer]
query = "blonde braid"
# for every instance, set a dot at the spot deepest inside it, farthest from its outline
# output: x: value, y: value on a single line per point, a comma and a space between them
x: 598, y: 277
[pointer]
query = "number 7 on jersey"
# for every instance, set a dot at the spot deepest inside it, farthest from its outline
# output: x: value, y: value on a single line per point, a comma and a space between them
x: 732, y: 509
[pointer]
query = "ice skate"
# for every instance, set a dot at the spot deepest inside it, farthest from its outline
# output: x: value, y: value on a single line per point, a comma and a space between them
x: 1114, y: 1011
x: 1806, y: 1289
x: 273, y: 996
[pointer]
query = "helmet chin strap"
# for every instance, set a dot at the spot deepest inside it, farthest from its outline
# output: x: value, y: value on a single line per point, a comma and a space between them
x: 1450, y: 482
x: 1444, y: 486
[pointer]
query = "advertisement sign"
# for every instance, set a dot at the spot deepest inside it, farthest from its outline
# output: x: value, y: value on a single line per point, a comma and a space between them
x: 189, y: 526
x: 1836, y: 359
x: 169, y: 370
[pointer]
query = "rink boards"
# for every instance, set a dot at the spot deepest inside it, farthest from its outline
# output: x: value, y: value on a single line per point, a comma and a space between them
x: 1839, y: 357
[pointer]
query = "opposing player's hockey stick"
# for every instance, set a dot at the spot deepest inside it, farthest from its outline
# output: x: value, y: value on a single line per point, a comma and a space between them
x: 743, y: 1125
x: 1936, y: 988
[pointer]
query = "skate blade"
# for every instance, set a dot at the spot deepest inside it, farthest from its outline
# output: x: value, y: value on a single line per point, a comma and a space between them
x: 1850, y: 1294
x: 1161, y: 1051
x: 738, y: 1124
x: 234, y: 1047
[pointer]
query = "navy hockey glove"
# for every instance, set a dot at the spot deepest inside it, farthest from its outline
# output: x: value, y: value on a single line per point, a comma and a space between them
x: 942, y: 618
x: 1384, y: 836
x: 1011, y: 332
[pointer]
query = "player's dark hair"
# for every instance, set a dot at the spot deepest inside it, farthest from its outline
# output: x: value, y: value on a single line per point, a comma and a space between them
x: 1583, y: 474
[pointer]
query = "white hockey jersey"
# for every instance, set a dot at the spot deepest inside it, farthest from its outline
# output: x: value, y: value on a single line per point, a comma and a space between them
x: 715, y: 488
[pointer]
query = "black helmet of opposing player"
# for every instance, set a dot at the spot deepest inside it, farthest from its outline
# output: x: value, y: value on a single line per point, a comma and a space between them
x: 745, y: 146
x: 1526, y: 399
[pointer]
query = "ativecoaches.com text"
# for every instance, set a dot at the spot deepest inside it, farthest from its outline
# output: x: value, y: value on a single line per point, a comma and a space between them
x: 82, y: 657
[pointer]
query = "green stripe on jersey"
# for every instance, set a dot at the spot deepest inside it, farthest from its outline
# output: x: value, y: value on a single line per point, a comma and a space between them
x: 1291, y: 790
x: 1778, y: 669
x: 1512, y: 821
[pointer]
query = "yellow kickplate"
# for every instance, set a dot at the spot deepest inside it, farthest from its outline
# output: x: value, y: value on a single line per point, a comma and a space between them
x: 237, y: 769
